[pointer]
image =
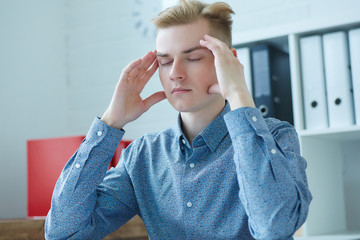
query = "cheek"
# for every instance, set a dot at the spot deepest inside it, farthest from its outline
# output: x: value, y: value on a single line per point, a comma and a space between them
x: 164, y: 71
x: 161, y: 75
x: 208, y: 74
x: 208, y: 70
x: 163, y: 79
x: 212, y: 74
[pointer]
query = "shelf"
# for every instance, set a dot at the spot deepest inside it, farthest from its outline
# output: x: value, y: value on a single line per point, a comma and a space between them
x: 335, y: 236
x: 332, y: 154
x: 340, y: 134
x: 280, y: 42
x: 317, y: 22
x: 332, y: 170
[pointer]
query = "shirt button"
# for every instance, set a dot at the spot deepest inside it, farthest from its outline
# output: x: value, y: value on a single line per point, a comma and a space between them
x: 273, y: 151
x: 254, y: 119
x: 77, y: 165
x: 189, y: 204
x: 99, y: 133
x: 183, y: 141
x: 192, y: 165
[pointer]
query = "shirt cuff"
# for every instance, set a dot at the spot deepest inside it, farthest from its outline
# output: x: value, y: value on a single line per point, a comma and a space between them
x: 101, y: 133
x: 244, y: 121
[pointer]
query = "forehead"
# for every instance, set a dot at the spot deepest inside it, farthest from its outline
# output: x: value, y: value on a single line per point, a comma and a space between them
x: 178, y: 38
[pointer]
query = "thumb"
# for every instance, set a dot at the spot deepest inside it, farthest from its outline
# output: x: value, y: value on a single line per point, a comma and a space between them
x: 154, y: 98
x: 215, y: 88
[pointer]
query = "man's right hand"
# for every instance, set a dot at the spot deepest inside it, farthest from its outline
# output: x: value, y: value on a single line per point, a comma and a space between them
x: 126, y: 104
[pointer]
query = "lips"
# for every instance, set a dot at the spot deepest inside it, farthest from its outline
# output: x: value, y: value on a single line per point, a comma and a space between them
x: 180, y: 90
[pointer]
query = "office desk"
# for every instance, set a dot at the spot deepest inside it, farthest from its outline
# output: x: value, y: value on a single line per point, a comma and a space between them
x: 33, y: 229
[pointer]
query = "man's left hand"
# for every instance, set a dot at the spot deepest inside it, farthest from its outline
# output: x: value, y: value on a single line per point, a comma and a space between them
x: 230, y: 74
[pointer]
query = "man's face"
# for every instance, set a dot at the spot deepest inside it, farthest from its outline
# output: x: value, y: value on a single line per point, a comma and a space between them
x: 186, y: 68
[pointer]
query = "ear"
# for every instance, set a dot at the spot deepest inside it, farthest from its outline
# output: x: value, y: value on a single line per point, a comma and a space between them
x: 233, y: 50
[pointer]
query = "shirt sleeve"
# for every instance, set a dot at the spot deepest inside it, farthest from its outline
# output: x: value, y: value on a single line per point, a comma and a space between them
x: 88, y: 202
x: 271, y: 173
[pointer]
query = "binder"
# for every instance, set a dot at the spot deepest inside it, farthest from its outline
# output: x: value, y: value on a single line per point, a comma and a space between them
x: 271, y: 82
x: 338, y: 82
x: 313, y: 81
x: 243, y: 55
x: 354, y: 45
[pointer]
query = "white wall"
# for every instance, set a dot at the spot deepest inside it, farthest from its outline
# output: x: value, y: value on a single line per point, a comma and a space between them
x: 258, y: 19
x: 60, y: 61
x: 101, y: 41
x: 59, y: 64
x: 32, y: 90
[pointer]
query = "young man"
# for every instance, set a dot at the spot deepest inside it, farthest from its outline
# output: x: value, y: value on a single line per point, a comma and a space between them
x: 224, y: 172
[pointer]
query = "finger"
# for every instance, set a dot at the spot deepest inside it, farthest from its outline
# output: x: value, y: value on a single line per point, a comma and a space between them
x: 208, y: 44
x: 131, y: 66
x: 134, y: 74
x: 154, y: 98
x: 213, y: 44
x: 147, y: 61
x: 150, y: 72
x: 214, y: 40
x: 215, y: 88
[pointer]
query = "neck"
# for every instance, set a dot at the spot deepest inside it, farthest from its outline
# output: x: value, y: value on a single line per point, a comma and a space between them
x: 194, y: 122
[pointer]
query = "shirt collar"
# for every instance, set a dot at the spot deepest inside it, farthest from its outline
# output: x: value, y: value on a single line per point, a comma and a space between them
x: 212, y: 134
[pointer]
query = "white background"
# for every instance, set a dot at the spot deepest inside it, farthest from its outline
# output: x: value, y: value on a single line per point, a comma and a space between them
x: 60, y: 61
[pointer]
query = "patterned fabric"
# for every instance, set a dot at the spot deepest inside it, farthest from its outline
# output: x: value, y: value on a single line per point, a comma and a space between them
x: 242, y: 178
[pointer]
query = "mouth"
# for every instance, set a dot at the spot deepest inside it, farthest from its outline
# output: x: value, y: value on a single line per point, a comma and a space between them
x: 176, y: 91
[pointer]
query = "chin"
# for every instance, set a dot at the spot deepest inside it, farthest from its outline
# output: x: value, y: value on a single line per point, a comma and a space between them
x: 194, y: 105
x: 181, y: 107
x: 184, y: 105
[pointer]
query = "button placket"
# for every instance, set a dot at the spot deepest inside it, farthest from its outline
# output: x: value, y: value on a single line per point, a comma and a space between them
x: 190, y: 165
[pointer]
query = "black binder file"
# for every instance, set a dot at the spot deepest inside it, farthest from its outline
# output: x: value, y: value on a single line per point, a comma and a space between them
x: 271, y: 82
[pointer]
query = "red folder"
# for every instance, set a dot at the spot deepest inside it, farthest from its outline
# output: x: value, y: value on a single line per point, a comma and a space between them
x: 46, y: 158
x: 122, y: 145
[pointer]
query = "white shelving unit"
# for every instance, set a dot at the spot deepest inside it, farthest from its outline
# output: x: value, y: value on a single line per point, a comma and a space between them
x: 333, y: 155
x: 333, y: 158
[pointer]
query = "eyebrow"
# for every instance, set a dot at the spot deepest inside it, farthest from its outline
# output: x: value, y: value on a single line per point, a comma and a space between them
x: 187, y: 51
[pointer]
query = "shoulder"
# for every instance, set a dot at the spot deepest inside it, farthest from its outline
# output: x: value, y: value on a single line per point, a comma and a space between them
x: 155, y: 137
x: 149, y: 144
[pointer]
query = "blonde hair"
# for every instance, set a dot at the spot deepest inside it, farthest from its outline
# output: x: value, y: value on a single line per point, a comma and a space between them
x: 187, y: 11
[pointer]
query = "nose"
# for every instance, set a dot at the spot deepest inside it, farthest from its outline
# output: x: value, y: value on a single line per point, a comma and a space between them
x: 177, y: 70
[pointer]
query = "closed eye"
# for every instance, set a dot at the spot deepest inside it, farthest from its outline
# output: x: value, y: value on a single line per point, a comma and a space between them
x: 165, y: 63
x: 194, y: 59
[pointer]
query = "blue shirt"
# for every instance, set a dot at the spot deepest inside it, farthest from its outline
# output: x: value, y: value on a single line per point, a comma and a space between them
x: 243, y: 178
